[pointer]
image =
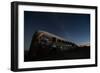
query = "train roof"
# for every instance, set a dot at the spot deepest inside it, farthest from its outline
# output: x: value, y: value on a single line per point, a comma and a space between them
x: 53, y: 35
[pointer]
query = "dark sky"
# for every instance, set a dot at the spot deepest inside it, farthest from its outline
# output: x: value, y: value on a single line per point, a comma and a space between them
x: 75, y: 27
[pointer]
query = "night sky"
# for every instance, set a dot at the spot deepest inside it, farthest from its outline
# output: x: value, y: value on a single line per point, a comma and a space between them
x: 74, y: 27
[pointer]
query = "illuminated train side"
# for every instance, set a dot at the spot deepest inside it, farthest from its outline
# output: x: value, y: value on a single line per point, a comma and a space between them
x: 44, y: 42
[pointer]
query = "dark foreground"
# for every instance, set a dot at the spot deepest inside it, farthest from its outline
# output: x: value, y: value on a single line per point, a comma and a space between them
x: 77, y: 53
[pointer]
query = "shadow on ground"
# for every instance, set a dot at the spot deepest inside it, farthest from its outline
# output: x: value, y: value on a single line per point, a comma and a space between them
x: 76, y: 53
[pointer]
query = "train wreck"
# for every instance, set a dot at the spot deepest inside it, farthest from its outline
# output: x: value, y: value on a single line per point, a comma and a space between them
x: 46, y: 45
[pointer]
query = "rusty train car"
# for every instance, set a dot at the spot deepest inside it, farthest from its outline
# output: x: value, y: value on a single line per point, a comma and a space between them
x: 45, y: 44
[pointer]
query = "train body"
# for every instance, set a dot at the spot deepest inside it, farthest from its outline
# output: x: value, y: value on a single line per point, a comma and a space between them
x: 44, y: 44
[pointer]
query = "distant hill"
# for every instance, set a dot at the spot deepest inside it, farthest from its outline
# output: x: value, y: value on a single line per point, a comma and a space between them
x: 85, y: 44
